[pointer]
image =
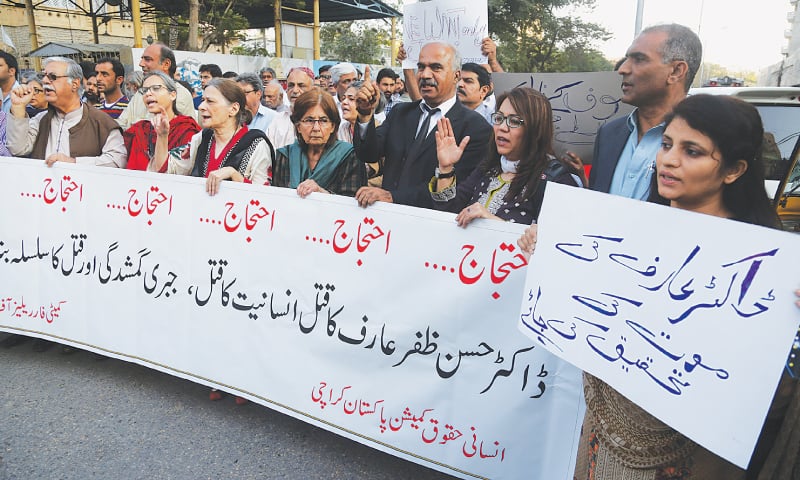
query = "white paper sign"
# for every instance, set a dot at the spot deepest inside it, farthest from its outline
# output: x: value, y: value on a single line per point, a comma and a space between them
x: 689, y: 316
x: 388, y: 325
x: 461, y: 24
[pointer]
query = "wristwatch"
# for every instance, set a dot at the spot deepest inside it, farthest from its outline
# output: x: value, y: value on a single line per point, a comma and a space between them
x: 439, y: 174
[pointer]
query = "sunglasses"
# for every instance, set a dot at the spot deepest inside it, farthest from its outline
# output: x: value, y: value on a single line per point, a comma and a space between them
x: 53, y: 77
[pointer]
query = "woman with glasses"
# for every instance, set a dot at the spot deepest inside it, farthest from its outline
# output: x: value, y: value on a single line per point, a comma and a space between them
x: 225, y: 149
x: 509, y: 184
x: 38, y: 102
x: 317, y: 161
x: 167, y: 129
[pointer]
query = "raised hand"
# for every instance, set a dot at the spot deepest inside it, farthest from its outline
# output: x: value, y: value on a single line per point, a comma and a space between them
x: 367, y: 98
x: 448, y: 152
x: 161, y: 122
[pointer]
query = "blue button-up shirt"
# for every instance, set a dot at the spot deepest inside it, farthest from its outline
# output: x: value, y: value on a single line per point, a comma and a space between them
x: 6, y: 101
x: 262, y: 119
x: 637, y: 161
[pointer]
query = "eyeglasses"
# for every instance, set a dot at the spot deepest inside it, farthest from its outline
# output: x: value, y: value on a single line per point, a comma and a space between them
x: 249, y: 91
x: 326, y: 77
x: 53, y: 77
x: 512, y: 121
x: 37, y: 91
x: 310, y: 121
x: 153, y: 88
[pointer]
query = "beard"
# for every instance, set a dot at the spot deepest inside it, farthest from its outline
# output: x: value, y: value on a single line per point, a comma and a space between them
x: 91, y: 97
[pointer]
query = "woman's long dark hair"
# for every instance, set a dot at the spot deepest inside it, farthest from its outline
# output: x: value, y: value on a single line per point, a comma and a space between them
x: 737, y: 132
x: 534, y: 108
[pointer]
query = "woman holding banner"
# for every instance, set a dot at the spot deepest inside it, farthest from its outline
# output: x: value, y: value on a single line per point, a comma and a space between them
x: 709, y: 162
x: 317, y: 161
x: 509, y: 184
x: 225, y: 149
x: 168, y: 129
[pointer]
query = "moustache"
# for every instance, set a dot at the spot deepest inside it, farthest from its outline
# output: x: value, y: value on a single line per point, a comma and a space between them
x: 48, y: 88
x: 428, y: 82
x: 461, y: 91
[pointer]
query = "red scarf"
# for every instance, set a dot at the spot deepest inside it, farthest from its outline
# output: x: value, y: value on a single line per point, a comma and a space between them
x: 214, y: 161
x: 140, y: 140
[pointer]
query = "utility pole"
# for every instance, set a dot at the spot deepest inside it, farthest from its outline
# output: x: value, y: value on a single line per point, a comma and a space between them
x: 37, y: 62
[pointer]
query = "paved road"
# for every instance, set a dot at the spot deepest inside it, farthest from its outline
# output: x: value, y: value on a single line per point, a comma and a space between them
x: 76, y: 417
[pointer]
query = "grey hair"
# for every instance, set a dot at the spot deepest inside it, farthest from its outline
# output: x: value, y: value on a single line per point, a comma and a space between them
x: 74, y: 71
x: 135, y: 77
x: 281, y: 91
x: 681, y: 44
x: 169, y: 83
x: 251, y: 79
x: 30, y: 75
x: 340, y: 69
x: 455, y: 62
x: 270, y: 70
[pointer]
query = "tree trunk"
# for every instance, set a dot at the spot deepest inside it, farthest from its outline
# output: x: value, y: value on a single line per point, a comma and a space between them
x: 194, y: 24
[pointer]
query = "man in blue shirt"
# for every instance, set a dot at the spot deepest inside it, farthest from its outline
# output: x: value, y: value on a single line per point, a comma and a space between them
x: 658, y: 70
x: 262, y: 116
x: 8, y: 78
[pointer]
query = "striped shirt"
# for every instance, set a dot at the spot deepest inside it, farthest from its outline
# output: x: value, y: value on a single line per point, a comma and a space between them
x: 114, y: 109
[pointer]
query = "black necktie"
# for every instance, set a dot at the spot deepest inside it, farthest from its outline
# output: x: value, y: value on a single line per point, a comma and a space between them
x: 422, y: 133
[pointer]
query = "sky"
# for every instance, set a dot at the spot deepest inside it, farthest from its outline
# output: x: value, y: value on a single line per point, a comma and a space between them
x: 735, y: 36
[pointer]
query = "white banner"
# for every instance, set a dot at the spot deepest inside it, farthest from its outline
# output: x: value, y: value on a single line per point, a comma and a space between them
x: 689, y: 316
x: 388, y: 325
x: 463, y: 25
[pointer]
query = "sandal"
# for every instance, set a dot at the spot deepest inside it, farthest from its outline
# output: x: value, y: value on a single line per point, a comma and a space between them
x: 215, y: 395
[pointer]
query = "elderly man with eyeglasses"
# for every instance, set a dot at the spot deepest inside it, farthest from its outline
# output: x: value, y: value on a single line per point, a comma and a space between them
x: 69, y: 131
x: 262, y: 116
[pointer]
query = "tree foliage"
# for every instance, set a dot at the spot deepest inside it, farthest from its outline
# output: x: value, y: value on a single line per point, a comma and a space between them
x: 546, y: 36
x: 221, y: 24
x: 352, y: 42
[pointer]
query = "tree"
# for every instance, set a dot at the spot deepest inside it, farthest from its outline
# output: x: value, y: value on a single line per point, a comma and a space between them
x: 351, y: 42
x: 542, y: 36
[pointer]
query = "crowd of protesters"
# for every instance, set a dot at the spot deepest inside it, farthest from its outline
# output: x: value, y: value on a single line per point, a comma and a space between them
x: 434, y: 137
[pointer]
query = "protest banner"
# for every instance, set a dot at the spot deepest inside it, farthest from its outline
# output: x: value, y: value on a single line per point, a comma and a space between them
x: 689, y: 316
x: 582, y: 102
x: 388, y: 325
x: 463, y: 25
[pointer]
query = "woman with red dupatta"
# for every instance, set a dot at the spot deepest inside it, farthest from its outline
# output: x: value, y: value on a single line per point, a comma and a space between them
x: 159, y: 94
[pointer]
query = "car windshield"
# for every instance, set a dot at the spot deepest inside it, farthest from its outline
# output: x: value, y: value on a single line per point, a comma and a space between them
x: 781, y: 133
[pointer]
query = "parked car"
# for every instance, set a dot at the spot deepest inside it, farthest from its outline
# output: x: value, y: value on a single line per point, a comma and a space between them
x: 780, y: 112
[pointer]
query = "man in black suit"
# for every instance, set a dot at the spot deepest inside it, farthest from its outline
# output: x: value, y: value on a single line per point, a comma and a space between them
x: 406, y: 138
x: 656, y: 75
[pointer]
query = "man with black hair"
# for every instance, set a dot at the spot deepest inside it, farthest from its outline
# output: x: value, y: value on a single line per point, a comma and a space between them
x: 91, y: 94
x: 110, y: 75
x: 473, y: 86
x: 8, y: 78
x: 207, y: 72
x: 324, y: 76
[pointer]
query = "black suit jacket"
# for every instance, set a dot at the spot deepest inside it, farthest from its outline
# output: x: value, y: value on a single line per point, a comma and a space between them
x: 407, y: 177
x: 608, y: 145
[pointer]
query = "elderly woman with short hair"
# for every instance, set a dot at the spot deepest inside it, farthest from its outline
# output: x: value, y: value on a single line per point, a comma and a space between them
x: 152, y: 138
x: 317, y: 161
x: 225, y: 149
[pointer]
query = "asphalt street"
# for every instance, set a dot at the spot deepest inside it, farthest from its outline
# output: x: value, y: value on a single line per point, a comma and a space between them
x: 78, y: 417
